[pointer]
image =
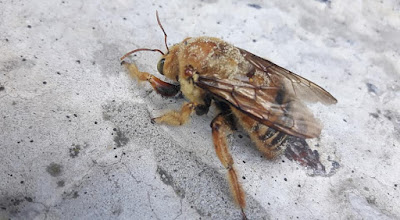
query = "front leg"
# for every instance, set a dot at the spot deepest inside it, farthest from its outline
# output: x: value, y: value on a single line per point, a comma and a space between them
x: 161, y: 87
x: 177, y: 118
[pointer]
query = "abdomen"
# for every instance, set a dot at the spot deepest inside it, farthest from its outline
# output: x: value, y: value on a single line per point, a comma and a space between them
x: 267, y: 140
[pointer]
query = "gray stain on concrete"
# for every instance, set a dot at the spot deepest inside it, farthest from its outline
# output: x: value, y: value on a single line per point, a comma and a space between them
x: 120, y: 139
x: 71, y: 195
x: 176, y: 166
x: 168, y: 180
x: 60, y: 183
x: 108, y: 58
x: 54, y: 169
x: 165, y: 177
x: 16, y: 63
x: 393, y: 117
x: 74, y: 151
x: 15, y: 206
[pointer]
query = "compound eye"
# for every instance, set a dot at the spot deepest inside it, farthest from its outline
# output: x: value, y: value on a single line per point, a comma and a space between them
x: 160, y: 66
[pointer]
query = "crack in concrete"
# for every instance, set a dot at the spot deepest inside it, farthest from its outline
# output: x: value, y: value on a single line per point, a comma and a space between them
x: 131, y: 174
x: 180, y: 210
x: 151, y: 207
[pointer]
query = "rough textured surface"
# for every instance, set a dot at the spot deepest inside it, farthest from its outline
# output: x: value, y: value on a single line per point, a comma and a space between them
x: 76, y: 137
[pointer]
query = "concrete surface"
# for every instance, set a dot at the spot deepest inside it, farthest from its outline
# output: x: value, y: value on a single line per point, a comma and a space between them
x: 76, y: 139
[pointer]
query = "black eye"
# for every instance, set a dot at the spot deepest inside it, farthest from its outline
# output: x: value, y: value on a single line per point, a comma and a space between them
x: 160, y: 66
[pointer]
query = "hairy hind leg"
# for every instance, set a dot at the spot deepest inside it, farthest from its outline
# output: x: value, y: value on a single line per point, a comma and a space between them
x: 161, y: 87
x: 220, y: 129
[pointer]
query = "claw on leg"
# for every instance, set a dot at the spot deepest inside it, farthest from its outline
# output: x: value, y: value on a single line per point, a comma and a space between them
x: 244, y: 217
x: 176, y: 117
x: 220, y: 129
x: 161, y: 87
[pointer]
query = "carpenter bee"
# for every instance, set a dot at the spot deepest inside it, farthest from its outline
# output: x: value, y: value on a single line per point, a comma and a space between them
x: 262, y: 97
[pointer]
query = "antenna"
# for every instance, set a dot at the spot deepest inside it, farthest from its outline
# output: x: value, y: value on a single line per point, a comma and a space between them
x: 165, y: 34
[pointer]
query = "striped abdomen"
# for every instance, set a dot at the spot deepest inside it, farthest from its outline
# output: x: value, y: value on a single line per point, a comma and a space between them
x: 267, y: 140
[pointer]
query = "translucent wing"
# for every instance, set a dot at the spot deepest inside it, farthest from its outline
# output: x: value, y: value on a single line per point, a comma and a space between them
x: 299, y: 86
x: 271, y: 95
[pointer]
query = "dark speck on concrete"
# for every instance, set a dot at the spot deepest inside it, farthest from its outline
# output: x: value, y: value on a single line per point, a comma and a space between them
x: 29, y: 199
x: 388, y: 114
x: 44, y: 82
x: 372, y: 88
x: 29, y: 26
x: 371, y: 200
x: 375, y: 115
x: 61, y: 183
x: 74, y: 151
x: 75, y: 195
x: 54, y: 169
x: 256, y: 6
x: 1, y: 88
x: 23, y: 59
x: 16, y: 201
x: 78, y: 61
x: 71, y: 195
x: 325, y: 1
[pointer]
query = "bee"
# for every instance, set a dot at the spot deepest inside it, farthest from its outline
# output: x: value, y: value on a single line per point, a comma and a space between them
x: 262, y: 97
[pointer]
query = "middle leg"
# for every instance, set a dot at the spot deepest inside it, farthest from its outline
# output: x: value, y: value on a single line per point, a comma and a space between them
x: 220, y: 129
x: 177, y: 117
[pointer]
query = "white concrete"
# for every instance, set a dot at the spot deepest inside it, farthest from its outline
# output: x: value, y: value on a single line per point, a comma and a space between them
x: 76, y: 139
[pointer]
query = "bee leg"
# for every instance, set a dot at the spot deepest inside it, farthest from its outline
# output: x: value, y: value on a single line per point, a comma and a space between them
x: 177, y: 117
x: 161, y: 87
x: 220, y: 129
